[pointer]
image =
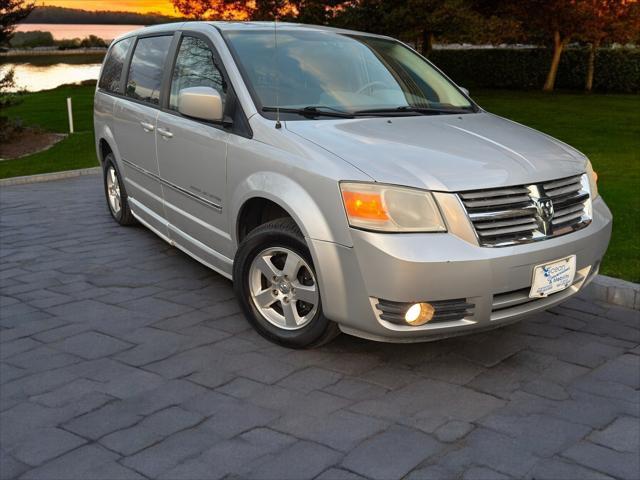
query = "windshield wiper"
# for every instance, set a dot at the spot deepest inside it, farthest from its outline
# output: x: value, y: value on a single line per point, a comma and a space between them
x: 312, y: 111
x: 411, y: 109
x: 326, y: 111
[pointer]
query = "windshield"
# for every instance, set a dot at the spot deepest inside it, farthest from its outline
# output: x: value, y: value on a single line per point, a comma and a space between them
x: 340, y: 73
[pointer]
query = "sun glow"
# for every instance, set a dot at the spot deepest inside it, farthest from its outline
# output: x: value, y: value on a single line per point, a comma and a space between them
x: 164, y: 7
x: 140, y: 6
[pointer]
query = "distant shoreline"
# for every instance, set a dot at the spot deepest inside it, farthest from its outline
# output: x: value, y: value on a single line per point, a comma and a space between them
x: 45, y: 52
x: 62, y: 15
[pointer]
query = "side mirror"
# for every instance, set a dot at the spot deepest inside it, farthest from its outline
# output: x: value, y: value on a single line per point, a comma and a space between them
x: 465, y: 91
x: 203, y: 103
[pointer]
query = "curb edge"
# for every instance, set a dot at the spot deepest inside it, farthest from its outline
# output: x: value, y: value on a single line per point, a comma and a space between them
x: 47, y: 177
x: 614, y: 291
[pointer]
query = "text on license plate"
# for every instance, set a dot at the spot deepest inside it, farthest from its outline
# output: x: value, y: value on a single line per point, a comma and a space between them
x: 553, y: 277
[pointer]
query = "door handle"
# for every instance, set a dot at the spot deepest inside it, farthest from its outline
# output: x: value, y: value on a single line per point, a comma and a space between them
x: 148, y: 127
x: 165, y: 133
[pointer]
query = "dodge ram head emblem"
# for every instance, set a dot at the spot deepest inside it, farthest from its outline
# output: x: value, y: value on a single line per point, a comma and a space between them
x: 544, y: 210
x: 544, y: 206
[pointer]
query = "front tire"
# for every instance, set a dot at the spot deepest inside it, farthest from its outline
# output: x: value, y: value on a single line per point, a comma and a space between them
x: 276, y: 284
x: 115, y: 193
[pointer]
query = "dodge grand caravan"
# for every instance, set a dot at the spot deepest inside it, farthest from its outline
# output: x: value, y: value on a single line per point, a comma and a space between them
x: 342, y: 181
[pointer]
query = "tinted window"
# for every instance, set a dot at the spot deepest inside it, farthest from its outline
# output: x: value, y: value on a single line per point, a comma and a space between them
x: 195, y: 67
x: 112, y: 69
x: 147, y: 65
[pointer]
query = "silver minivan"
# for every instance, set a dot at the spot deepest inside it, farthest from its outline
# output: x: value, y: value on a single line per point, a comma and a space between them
x: 342, y: 181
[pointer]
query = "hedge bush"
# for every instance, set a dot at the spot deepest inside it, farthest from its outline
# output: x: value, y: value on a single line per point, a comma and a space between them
x: 36, y: 38
x: 617, y: 70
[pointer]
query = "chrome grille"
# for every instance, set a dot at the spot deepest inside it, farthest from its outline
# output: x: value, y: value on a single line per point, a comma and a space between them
x: 526, y: 213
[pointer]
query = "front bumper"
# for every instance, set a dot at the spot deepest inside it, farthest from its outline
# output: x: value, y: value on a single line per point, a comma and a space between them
x: 432, y: 267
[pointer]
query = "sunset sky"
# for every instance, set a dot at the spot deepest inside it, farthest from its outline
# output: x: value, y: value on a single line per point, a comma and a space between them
x: 162, y: 6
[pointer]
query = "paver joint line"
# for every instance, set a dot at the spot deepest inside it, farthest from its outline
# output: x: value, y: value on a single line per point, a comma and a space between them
x: 146, y: 369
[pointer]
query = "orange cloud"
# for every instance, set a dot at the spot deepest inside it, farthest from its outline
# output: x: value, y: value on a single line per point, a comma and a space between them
x: 141, y: 6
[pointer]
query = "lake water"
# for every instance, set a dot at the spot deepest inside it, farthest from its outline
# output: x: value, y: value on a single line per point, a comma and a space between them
x: 44, y: 77
x: 43, y: 72
x: 65, y: 31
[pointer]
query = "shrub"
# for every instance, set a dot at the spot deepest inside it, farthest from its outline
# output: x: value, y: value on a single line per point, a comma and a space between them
x: 617, y: 70
x: 7, y: 85
x: 93, y: 41
x: 37, y: 38
x: 86, y: 42
x: 68, y: 43
x: 9, y: 128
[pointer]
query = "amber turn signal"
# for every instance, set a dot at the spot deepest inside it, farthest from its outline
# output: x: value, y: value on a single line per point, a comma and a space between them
x: 366, y: 206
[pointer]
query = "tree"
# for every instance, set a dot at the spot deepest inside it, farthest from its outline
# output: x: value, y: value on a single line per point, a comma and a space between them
x: 267, y: 9
x: 422, y: 22
x: 375, y: 16
x: 605, y: 21
x: 431, y: 19
x: 307, y: 11
x: 556, y: 18
x: 12, y: 12
x: 212, y: 9
x: 553, y: 22
x: 318, y: 12
x: 6, y: 82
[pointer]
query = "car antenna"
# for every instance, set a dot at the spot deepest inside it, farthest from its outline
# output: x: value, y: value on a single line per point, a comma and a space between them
x: 275, y: 39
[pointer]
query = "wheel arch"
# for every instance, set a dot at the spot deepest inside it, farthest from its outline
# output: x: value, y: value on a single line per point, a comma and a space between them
x: 104, y: 149
x: 106, y: 144
x: 282, y: 192
x: 257, y: 211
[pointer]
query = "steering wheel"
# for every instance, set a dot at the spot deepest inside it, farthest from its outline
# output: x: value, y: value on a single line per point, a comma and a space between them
x: 369, y: 85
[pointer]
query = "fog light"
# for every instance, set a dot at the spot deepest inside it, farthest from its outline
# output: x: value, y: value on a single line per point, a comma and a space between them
x: 419, y: 314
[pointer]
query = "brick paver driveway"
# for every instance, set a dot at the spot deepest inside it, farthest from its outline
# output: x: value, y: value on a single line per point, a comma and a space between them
x: 124, y: 358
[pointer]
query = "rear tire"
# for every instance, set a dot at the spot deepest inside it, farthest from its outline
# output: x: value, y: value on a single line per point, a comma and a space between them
x: 115, y: 193
x: 276, y: 284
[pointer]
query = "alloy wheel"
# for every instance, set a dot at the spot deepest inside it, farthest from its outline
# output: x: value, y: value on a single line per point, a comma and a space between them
x: 113, y: 191
x: 283, y: 288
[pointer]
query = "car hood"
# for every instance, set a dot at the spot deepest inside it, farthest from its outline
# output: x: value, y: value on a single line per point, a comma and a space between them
x: 444, y: 152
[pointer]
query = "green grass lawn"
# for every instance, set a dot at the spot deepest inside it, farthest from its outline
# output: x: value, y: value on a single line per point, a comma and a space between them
x: 48, y: 110
x: 605, y: 127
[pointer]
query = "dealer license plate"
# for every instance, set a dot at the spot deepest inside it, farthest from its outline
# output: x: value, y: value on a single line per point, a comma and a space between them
x: 553, y: 277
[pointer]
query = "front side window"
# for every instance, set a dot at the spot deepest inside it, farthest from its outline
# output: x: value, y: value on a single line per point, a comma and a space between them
x: 349, y: 73
x: 195, y: 67
x: 147, y: 66
x: 113, y: 65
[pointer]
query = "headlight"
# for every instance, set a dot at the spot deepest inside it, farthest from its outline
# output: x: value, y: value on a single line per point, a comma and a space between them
x: 593, y: 180
x: 389, y: 208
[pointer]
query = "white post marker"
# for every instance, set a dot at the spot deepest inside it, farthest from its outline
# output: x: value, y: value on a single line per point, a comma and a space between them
x: 70, y: 113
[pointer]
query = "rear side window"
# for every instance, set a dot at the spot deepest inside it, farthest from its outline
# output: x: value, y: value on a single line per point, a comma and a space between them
x: 146, y: 70
x: 195, y: 67
x: 112, y: 69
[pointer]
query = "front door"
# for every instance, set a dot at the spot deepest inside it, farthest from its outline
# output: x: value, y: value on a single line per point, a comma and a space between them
x: 192, y: 160
x: 135, y: 125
